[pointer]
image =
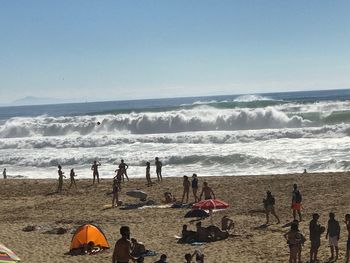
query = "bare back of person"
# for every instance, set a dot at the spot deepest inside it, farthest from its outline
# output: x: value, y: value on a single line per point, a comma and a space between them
x: 122, y: 251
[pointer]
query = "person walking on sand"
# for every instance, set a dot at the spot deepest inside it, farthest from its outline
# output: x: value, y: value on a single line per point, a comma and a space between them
x: 207, y: 191
x: 296, y: 202
x: 294, y: 240
x: 94, y: 169
x: 72, y: 179
x: 148, y: 174
x: 186, y: 185
x: 60, y: 179
x: 195, y: 187
x: 122, y: 248
x: 333, y: 233
x: 4, y: 173
x: 269, y: 206
x: 158, y: 169
x: 347, y: 223
x: 315, y: 236
x: 123, y: 167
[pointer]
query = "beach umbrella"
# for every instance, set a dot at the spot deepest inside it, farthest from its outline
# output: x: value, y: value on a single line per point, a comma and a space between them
x: 196, y: 213
x: 211, y: 204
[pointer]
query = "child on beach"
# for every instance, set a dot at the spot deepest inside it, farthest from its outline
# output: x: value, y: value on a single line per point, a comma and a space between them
x: 186, y: 185
x: 148, y: 174
x: 294, y: 240
x: 269, y: 206
x: 72, y: 180
x: 60, y: 179
x: 123, y: 167
x: 158, y: 169
x: 195, y: 187
x: 296, y: 202
x: 94, y: 169
x: 347, y: 223
x: 333, y: 232
x: 207, y: 191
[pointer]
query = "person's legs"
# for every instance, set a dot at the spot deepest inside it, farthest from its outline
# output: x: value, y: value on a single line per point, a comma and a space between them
x: 294, y: 214
x: 299, y: 213
x: 98, y: 178
x: 93, y: 180
x: 332, y: 251
x: 267, y: 217
x: 336, y: 252
x: 275, y: 215
x: 187, y: 192
x: 299, y: 253
x: 183, y: 196
x: 126, y: 175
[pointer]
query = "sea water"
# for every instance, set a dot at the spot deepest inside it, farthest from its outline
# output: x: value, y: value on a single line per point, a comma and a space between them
x: 232, y: 135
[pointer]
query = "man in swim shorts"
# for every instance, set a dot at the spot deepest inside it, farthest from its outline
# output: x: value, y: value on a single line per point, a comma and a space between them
x: 333, y: 232
x: 315, y: 236
x: 122, y: 248
x: 269, y: 206
x: 296, y: 202
x: 94, y: 169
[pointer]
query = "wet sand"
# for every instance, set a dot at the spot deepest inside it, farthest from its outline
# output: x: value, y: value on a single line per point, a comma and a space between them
x: 26, y: 202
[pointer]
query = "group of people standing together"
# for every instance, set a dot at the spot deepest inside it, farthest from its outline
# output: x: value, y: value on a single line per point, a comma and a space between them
x: 295, y: 239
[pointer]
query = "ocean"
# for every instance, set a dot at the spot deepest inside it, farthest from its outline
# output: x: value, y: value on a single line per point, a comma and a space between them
x: 255, y: 134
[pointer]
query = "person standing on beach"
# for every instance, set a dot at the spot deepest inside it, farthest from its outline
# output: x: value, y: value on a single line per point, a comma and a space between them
x: 347, y: 223
x: 195, y: 187
x: 4, y: 173
x: 158, y: 169
x: 207, y: 191
x: 315, y: 236
x: 60, y: 179
x: 94, y: 169
x: 269, y: 206
x: 72, y: 180
x: 122, y: 248
x: 296, y: 202
x: 294, y: 240
x: 148, y: 174
x: 115, y: 191
x: 333, y: 232
x: 186, y: 185
x: 123, y: 167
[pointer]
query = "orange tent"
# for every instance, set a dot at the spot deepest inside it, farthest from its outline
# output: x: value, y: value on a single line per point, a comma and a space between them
x: 88, y: 233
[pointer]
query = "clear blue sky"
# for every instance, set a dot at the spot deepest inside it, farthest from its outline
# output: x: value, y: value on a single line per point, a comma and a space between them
x: 99, y: 49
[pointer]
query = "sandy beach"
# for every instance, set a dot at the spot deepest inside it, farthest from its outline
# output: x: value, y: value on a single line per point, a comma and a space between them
x: 34, y: 202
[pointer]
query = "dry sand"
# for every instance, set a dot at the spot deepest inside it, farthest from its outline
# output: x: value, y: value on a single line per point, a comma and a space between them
x: 33, y: 202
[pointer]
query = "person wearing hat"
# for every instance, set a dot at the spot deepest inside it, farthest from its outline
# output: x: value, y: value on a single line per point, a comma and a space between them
x: 269, y: 206
x: 315, y: 236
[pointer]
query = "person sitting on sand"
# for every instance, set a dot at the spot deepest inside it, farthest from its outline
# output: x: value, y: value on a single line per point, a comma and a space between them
x: 269, y: 206
x: 94, y: 169
x: 4, y: 173
x: 122, y: 248
x: 60, y: 179
x: 72, y: 180
x: 186, y: 185
x: 216, y: 233
x: 226, y: 223
x: 123, y: 167
x: 294, y: 240
x: 347, y: 223
x: 333, y: 232
x: 169, y: 198
x: 159, y: 166
x: 187, y: 236
x: 315, y: 236
x: 148, y: 174
x: 195, y: 187
x: 137, y: 248
x: 91, y: 249
x: 162, y: 259
x: 207, y: 191
x: 202, y: 235
x: 296, y: 202
x: 115, y: 191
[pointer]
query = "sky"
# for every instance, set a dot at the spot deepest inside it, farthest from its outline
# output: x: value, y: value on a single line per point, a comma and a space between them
x: 115, y: 50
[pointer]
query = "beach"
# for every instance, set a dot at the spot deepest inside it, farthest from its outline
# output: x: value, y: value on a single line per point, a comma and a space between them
x: 26, y: 202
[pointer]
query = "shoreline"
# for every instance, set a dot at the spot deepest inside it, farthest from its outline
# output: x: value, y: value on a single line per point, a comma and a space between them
x: 34, y: 202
